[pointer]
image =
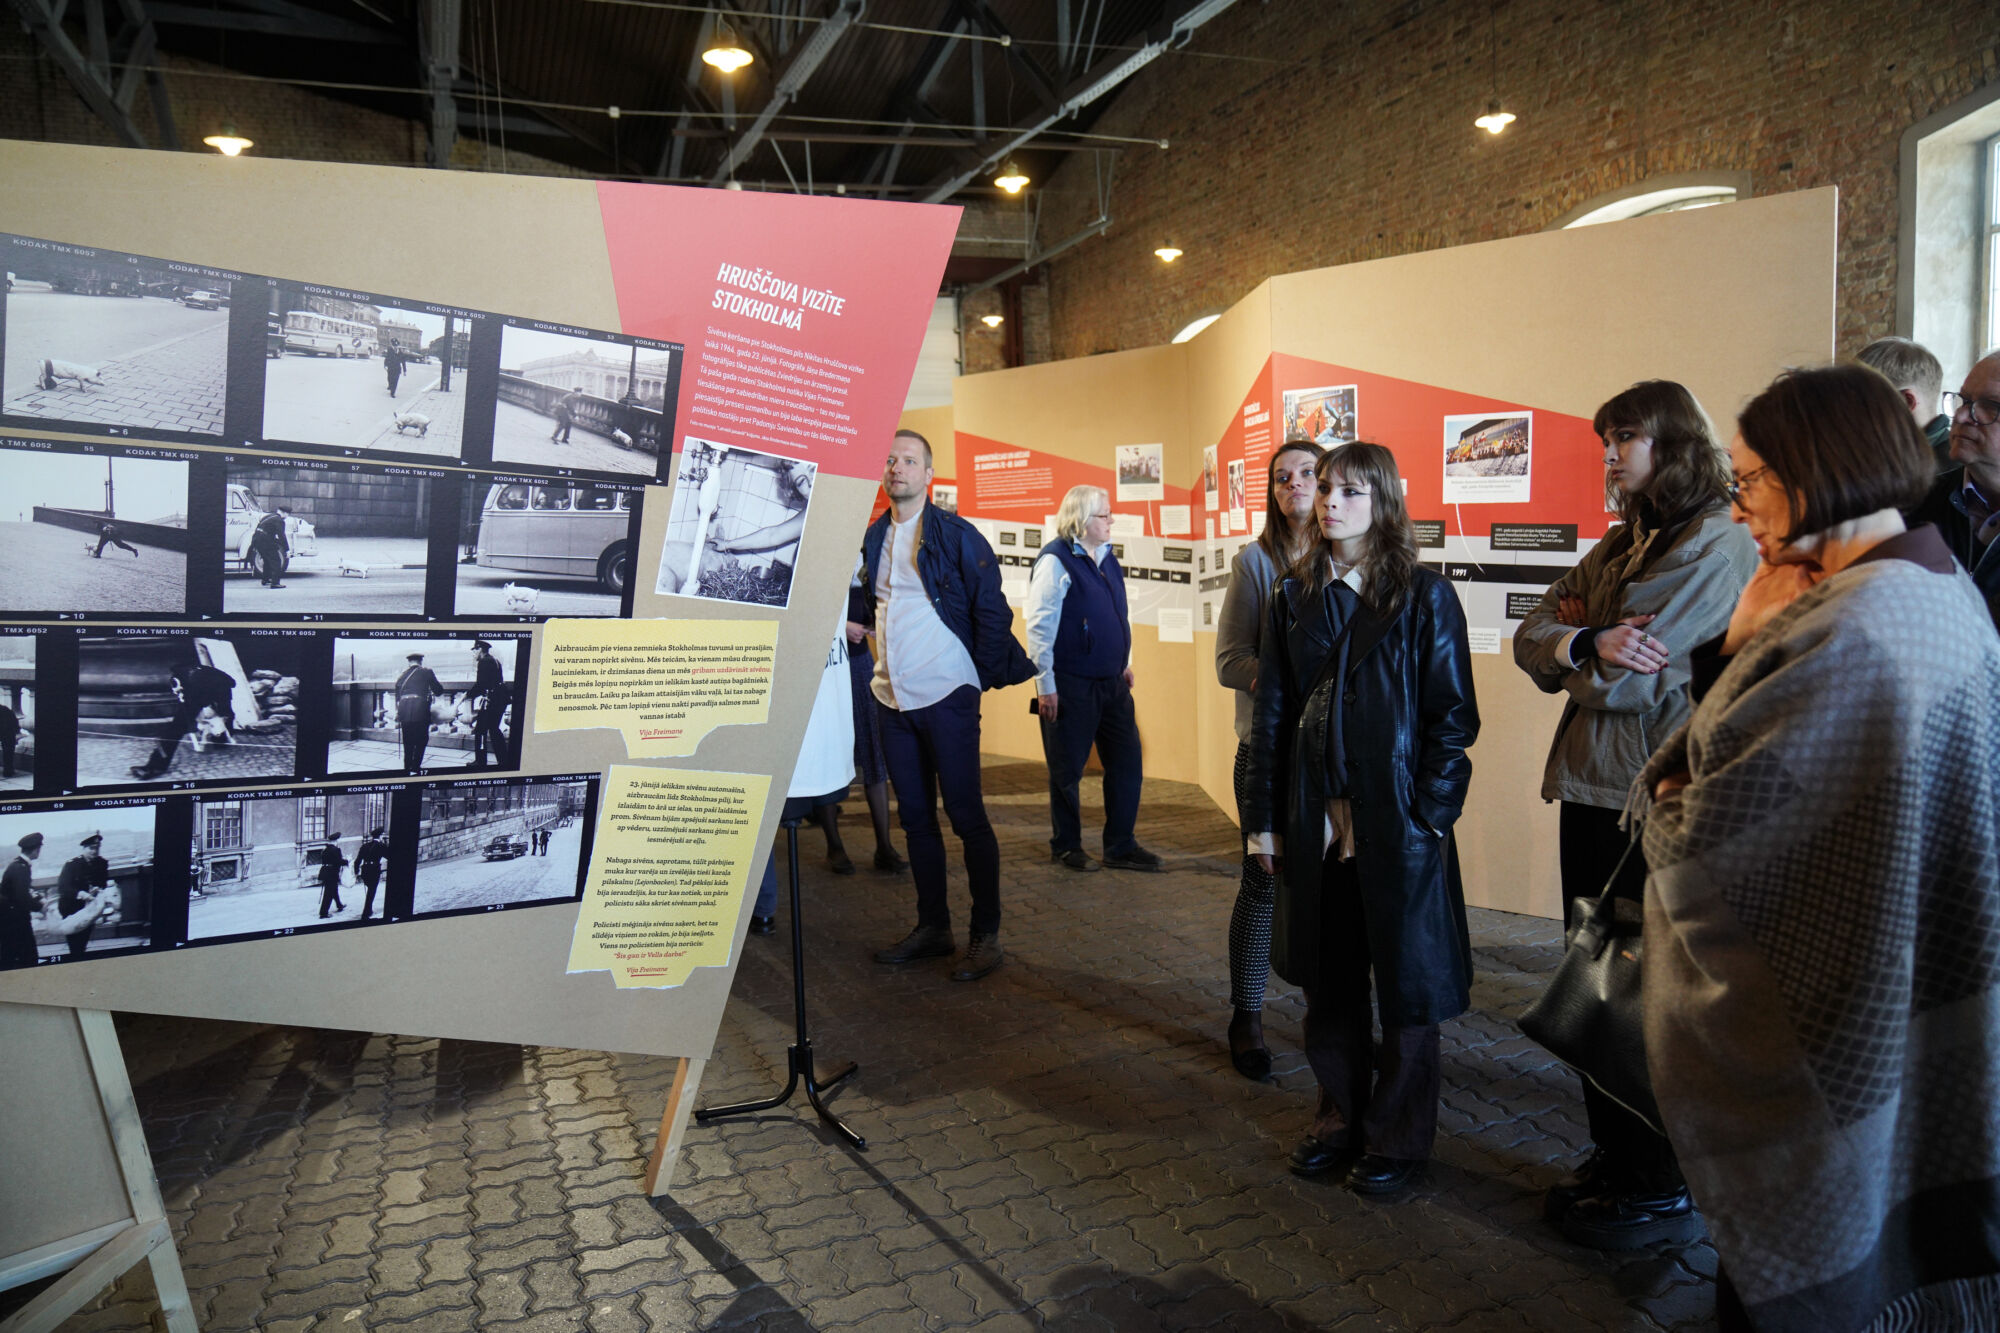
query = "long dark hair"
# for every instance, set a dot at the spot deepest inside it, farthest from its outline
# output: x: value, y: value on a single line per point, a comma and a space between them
x: 1276, y: 538
x: 1390, y: 561
x: 1690, y: 467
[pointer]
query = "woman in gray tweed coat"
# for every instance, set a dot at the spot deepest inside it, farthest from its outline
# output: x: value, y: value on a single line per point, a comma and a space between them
x: 1822, y: 969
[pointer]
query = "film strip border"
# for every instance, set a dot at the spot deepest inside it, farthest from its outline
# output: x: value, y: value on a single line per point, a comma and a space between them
x: 100, y: 709
x: 91, y: 879
x: 141, y: 532
x: 104, y: 342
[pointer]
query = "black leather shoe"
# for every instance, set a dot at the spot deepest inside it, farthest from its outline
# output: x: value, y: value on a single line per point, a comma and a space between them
x: 1377, y: 1175
x: 1628, y: 1220
x: 982, y: 954
x: 1247, y: 1052
x: 1074, y: 858
x: 1134, y: 857
x: 888, y: 862
x: 923, y: 942
x: 1316, y: 1157
x: 1593, y: 1178
x: 763, y: 925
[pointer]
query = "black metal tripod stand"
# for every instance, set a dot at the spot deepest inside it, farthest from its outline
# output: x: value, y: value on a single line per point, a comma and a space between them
x: 800, y: 1056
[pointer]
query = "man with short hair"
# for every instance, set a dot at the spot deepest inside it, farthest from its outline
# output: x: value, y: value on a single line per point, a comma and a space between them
x: 81, y: 896
x: 415, y: 689
x: 1965, y: 502
x: 1917, y: 375
x: 932, y: 586
x: 489, y: 704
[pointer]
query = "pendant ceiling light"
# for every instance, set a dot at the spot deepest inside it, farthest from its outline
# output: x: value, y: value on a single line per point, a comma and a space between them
x: 228, y: 143
x: 724, y: 51
x: 992, y: 321
x: 1496, y: 118
x: 1168, y: 253
x: 1011, y: 178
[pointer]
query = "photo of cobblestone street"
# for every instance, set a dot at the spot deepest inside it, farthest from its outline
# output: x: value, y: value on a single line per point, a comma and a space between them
x: 144, y: 362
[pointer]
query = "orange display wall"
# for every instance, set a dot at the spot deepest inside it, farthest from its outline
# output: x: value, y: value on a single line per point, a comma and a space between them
x: 1480, y: 366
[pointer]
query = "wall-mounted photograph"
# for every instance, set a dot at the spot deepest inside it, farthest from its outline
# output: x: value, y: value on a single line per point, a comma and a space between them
x: 504, y: 844
x: 734, y: 525
x: 1209, y: 479
x: 403, y: 705
x: 1327, y: 416
x: 76, y: 883
x: 17, y: 712
x: 179, y: 708
x: 93, y: 532
x: 1487, y: 458
x: 600, y: 404
x: 1141, y: 473
x: 348, y: 540
x: 538, y: 548
x: 363, y: 372
x: 103, y: 341
x: 260, y: 865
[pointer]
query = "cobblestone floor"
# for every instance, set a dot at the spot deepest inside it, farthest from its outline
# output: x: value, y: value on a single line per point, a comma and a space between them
x: 1061, y: 1145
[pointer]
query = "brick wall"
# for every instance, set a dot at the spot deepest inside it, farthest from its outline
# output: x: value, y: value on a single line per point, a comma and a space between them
x: 1331, y: 134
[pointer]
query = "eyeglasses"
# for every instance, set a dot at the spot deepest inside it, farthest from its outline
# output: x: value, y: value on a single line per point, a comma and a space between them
x: 1095, y: 517
x: 1736, y: 484
x: 1983, y: 411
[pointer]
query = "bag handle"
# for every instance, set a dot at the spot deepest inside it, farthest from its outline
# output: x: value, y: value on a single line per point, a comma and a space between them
x: 1595, y: 930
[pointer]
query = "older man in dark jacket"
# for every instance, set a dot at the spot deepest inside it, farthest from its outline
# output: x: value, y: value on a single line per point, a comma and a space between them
x: 931, y: 585
x: 1965, y: 502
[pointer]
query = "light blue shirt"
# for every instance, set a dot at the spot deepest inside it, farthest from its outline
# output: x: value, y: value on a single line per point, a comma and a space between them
x: 1048, y: 584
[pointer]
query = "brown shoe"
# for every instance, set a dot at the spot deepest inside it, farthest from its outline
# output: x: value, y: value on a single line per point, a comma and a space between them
x: 982, y: 954
x: 923, y: 942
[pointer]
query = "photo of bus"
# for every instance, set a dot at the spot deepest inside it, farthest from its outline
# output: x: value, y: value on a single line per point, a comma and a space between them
x: 546, y: 548
x: 312, y: 334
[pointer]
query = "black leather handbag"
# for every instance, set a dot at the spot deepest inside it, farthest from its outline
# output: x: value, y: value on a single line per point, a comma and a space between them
x: 1589, y: 1015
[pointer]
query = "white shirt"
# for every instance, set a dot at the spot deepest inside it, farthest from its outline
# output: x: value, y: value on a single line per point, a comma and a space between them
x: 826, y: 754
x: 1048, y: 584
x: 920, y: 660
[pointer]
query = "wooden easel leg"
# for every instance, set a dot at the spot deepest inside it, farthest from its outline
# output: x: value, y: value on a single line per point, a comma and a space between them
x: 673, y: 1125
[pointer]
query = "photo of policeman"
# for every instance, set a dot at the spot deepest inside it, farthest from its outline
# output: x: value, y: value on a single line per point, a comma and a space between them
x: 17, y: 711
x: 405, y: 705
x: 589, y: 401
x: 364, y: 372
x: 76, y: 883
x: 342, y: 539
x: 275, y: 863
x: 93, y: 532
x: 517, y: 843
x: 164, y: 708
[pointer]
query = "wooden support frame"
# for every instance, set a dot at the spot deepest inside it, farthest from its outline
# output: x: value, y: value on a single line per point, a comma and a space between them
x: 98, y: 1257
x: 673, y: 1128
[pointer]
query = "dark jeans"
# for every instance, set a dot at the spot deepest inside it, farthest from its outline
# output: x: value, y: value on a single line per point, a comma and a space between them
x: 1093, y: 710
x: 415, y: 740
x: 931, y: 751
x: 1589, y: 843
x: 371, y: 882
x: 1391, y: 1101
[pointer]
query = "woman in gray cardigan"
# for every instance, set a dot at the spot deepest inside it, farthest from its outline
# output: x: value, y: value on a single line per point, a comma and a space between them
x: 1289, y: 530
x: 1615, y: 634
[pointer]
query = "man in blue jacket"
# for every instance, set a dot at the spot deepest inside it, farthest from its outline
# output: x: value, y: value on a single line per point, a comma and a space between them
x: 944, y: 633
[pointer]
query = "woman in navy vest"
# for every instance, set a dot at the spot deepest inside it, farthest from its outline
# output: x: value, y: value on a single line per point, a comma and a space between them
x: 1080, y: 640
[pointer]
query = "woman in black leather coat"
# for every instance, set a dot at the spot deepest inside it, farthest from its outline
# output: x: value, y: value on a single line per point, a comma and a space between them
x: 1363, y: 717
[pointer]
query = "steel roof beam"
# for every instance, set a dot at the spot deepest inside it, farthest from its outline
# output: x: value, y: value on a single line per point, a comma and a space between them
x: 799, y: 68
x: 1165, y: 35
x: 275, y: 20
x: 440, y: 44
x: 91, y: 77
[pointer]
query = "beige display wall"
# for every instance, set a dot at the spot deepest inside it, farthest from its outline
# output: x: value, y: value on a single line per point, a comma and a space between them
x: 1720, y: 299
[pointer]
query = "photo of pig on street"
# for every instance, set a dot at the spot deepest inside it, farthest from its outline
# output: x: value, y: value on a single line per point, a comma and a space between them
x: 363, y: 374
x: 347, y: 540
x: 545, y: 547
x: 98, y: 339
x: 93, y: 532
x: 403, y: 705
x: 178, y: 708
x: 595, y: 404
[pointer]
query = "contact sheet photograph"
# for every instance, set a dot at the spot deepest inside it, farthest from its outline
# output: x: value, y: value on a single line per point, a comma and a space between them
x: 94, y: 529
x: 350, y: 540
x: 734, y: 524
x: 537, y: 547
x: 355, y: 371
x: 99, y: 342
x: 582, y: 400
x: 206, y: 705
x: 488, y: 845
x: 17, y: 712
x: 82, y: 878
x: 410, y: 704
x: 276, y: 863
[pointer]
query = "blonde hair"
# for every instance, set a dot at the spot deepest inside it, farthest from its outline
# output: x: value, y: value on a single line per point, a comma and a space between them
x: 1076, y: 509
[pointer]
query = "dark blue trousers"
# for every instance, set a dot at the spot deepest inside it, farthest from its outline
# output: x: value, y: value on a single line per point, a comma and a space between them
x: 1093, y: 710
x: 932, y: 751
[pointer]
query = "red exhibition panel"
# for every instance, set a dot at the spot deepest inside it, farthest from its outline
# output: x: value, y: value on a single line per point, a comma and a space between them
x: 802, y: 315
x: 1004, y: 481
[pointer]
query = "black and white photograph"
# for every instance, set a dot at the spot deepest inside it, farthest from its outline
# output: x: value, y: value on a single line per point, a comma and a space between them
x: 174, y: 708
x: 17, y: 712
x: 542, y: 547
x: 1486, y: 458
x: 1327, y: 415
x: 945, y: 496
x: 1210, y: 489
x: 76, y: 883
x: 1238, y: 495
x: 266, y: 864
x: 343, y: 539
x: 594, y: 403
x: 98, y: 340
x: 500, y: 844
x: 734, y: 526
x: 403, y: 705
x: 359, y: 372
x: 93, y: 532
x: 1141, y: 473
